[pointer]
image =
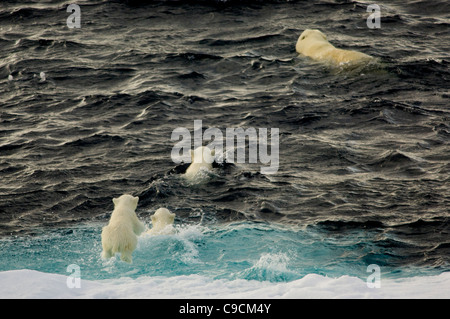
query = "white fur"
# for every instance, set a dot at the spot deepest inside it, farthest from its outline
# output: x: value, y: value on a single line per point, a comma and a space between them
x: 201, y: 159
x: 314, y: 44
x: 120, y: 235
x: 162, y: 221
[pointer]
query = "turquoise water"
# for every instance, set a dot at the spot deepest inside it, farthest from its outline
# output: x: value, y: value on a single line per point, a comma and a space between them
x: 252, y: 251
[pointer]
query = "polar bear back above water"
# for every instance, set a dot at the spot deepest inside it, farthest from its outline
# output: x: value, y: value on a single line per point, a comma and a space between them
x: 201, y: 159
x: 120, y: 235
x: 162, y: 221
x: 314, y: 44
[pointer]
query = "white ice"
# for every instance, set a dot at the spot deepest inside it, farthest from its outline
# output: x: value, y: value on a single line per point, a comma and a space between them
x: 34, y: 284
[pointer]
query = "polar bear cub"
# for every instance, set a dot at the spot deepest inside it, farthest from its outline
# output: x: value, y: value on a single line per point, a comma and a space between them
x: 120, y: 235
x: 162, y: 221
x: 314, y: 44
x: 201, y: 160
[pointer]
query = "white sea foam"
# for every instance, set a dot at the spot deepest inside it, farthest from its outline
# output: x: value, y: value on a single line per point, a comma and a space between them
x: 270, y: 266
x: 33, y: 284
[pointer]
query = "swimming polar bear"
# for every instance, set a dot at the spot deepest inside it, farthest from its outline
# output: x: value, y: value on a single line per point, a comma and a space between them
x: 120, y: 235
x: 162, y: 221
x: 201, y: 160
x: 314, y: 44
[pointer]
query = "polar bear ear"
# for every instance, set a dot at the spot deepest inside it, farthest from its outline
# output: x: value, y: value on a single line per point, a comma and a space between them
x: 115, y: 201
x: 135, y: 200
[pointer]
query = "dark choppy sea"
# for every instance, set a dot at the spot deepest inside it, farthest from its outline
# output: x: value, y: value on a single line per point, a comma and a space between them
x: 364, y: 155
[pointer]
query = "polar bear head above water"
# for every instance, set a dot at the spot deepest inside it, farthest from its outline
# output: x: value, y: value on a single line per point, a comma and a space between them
x: 162, y: 222
x: 201, y: 159
x: 126, y: 200
x: 314, y: 44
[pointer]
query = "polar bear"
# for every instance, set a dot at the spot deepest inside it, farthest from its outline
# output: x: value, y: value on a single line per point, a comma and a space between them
x: 201, y: 160
x: 162, y: 221
x: 120, y: 235
x: 314, y: 44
